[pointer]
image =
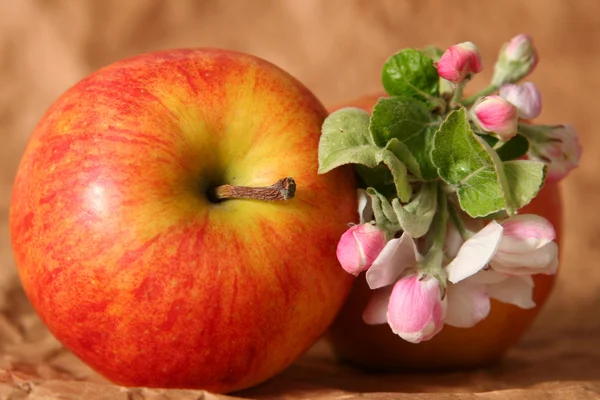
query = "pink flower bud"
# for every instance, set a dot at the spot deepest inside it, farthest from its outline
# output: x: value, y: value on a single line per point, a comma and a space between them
x: 359, y: 246
x: 517, y: 59
x: 495, y: 114
x: 521, y: 49
x: 527, y: 246
x: 525, y: 97
x: 560, y: 150
x: 459, y: 62
x: 416, y: 310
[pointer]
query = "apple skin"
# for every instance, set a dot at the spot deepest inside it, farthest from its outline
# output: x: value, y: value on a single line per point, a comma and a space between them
x: 130, y: 265
x: 377, y: 348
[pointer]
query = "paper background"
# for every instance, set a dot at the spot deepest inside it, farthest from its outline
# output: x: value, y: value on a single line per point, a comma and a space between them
x: 336, y: 47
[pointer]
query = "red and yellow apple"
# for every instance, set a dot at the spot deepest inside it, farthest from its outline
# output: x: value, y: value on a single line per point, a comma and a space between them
x: 135, y: 267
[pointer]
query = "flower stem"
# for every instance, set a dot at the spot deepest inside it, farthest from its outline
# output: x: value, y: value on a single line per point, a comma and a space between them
x: 283, y: 189
x: 458, y: 222
x: 440, y: 220
x: 432, y: 262
x: 458, y: 92
x: 471, y: 99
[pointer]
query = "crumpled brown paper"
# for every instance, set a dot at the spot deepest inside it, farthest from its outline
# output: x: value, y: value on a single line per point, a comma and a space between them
x: 544, y: 366
x: 336, y: 48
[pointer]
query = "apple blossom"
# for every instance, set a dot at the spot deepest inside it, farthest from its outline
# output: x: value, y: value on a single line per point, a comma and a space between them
x: 558, y: 146
x: 359, y: 246
x: 526, y: 231
x: 451, y: 254
x: 496, y: 114
x: 469, y: 299
x: 516, y: 290
x: 409, y: 302
x: 497, y: 262
x: 375, y: 313
x: 494, y: 263
x: 397, y: 256
x: 475, y: 253
x: 527, y: 246
x: 468, y: 303
x: 416, y: 308
x: 520, y: 245
x: 525, y: 97
x: 511, y: 289
x: 517, y: 59
x: 459, y: 62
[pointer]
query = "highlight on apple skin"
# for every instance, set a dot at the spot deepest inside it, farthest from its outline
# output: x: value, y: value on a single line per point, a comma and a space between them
x: 133, y: 265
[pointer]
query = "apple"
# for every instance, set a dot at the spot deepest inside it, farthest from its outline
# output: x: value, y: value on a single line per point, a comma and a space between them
x: 149, y: 236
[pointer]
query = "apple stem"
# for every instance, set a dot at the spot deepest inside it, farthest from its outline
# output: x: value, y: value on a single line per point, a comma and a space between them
x: 283, y: 189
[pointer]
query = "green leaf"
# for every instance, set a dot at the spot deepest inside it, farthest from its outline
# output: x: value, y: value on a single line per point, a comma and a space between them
x: 398, y: 169
x: 379, y: 178
x: 404, y: 154
x: 525, y: 179
x: 415, y: 217
x: 343, y: 133
x: 410, y: 73
x: 398, y: 117
x: 432, y: 262
x: 465, y: 160
x: 345, y: 139
x: 515, y: 148
x: 481, y: 195
x: 385, y: 216
x: 484, y: 184
x: 410, y: 122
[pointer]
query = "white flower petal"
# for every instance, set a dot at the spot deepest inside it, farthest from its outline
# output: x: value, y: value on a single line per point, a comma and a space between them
x: 475, y: 253
x: 365, y: 209
x: 397, y: 255
x: 540, y: 261
x: 487, y: 277
x: 468, y: 304
x: 517, y: 290
x: 376, y: 311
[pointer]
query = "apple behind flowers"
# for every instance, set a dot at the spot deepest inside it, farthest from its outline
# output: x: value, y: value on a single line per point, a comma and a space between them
x: 131, y: 240
x: 377, y: 348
